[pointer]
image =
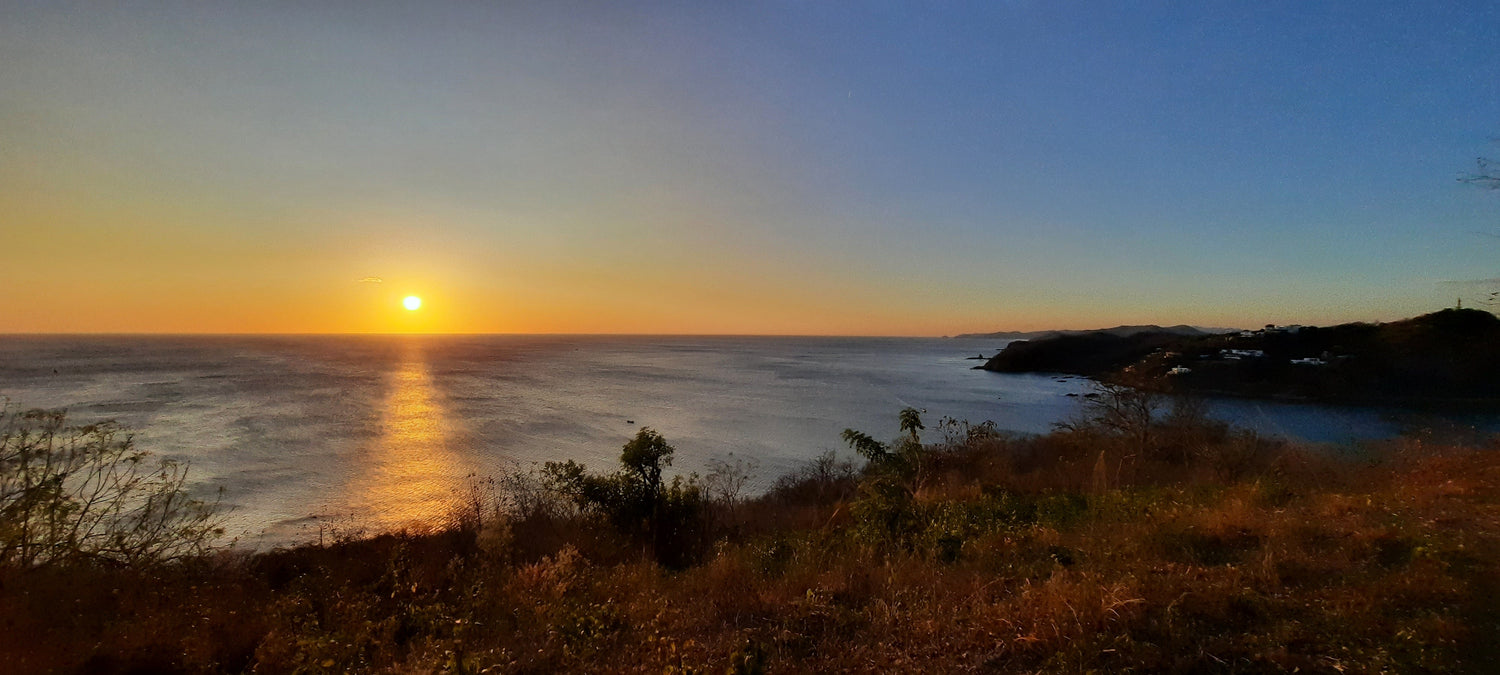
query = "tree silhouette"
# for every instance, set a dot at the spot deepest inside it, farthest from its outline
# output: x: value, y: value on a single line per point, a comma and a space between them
x: 636, y: 501
x: 911, y: 421
x: 86, y: 495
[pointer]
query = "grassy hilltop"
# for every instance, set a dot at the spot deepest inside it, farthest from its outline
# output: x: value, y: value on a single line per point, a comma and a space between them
x: 1134, y: 539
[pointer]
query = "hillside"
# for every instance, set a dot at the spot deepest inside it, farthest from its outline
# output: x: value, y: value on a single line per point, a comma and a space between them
x: 1091, y: 354
x: 1193, y: 549
x: 1449, y: 355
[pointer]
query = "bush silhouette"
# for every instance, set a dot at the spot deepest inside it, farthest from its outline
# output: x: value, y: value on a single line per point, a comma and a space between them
x: 637, y: 502
x: 87, y: 495
x: 904, y: 459
x: 885, y: 510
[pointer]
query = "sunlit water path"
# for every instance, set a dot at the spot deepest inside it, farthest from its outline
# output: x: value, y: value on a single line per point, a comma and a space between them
x: 410, y: 473
x: 379, y: 432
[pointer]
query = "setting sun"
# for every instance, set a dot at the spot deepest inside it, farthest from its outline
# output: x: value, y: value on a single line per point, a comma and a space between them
x: 411, y: 302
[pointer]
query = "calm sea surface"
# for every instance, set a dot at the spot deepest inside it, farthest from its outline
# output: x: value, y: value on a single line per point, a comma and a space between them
x: 382, y: 431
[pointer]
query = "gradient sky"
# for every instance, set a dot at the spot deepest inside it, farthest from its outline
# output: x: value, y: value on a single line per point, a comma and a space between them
x: 746, y: 167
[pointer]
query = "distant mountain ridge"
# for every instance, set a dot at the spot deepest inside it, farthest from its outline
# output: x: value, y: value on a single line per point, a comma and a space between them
x: 1117, y: 331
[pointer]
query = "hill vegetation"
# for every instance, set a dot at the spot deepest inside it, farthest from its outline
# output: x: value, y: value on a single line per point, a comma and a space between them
x: 1139, y: 537
x: 1449, y: 356
x: 1090, y: 354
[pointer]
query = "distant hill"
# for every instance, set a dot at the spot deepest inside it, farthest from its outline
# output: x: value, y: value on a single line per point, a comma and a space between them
x: 1119, y: 331
x: 1449, y: 355
x: 1083, y: 352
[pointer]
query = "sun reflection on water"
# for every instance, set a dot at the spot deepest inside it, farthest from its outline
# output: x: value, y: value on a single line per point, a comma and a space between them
x: 413, y: 473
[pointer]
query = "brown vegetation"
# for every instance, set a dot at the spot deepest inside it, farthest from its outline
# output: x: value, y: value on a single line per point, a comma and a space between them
x: 1194, y: 548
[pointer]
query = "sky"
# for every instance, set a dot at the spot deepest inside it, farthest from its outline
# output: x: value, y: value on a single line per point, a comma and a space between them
x: 809, y: 168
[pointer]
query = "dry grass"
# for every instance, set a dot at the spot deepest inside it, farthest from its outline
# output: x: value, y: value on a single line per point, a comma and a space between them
x: 1027, y: 557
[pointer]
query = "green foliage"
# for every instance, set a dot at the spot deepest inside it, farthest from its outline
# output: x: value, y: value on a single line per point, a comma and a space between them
x: 635, y: 500
x: 902, y: 460
x: 866, y: 446
x: 885, y: 511
x: 644, y: 457
x: 86, y: 494
x: 911, y: 421
x: 679, y: 533
x: 885, y: 514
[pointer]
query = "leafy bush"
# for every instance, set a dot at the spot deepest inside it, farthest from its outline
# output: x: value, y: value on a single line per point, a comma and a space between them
x: 86, y: 494
x: 903, y: 459
x: 886, y: 511
x: 885, y: 514
x: 637, y: 501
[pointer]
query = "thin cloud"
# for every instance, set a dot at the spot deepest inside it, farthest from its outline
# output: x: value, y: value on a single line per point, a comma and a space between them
x: 372, y: 280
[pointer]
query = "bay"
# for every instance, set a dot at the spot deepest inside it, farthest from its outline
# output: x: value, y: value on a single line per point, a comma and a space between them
x: 305, y: 433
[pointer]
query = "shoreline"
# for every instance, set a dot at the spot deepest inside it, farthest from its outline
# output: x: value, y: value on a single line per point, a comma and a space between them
x: 994, y: 553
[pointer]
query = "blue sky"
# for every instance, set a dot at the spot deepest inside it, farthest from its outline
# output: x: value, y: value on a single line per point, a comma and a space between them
x: 797, y: 167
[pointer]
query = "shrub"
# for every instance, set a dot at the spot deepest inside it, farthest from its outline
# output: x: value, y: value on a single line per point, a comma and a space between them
x: 726, y: 480
x: 885, y: 514
x: 824, y: 480
x: 1121, y: 410
x: 905, y: 459
x: 86, y: 494
x: 885, y: 511
x: 636, y: 500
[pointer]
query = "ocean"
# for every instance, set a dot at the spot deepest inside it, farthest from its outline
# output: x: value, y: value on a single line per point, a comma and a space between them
x: 310, y: 433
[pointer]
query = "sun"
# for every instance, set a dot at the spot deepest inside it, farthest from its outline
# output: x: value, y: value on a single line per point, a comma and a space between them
x: 411, y: 303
